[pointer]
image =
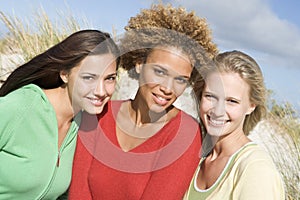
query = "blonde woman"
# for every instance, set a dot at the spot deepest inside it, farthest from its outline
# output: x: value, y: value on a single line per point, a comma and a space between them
x: 232, y: 101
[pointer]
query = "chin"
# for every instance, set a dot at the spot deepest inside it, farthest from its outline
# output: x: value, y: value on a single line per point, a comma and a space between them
x: 159, y: 109
x: 94, y: 111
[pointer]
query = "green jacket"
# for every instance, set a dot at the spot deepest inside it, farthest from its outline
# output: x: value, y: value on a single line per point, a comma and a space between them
x: 31, y: 166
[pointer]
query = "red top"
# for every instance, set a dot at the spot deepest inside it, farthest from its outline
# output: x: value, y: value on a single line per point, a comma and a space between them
x: 160, y: 168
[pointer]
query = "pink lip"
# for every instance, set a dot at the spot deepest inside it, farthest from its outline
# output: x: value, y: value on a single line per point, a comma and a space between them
x: 162, y: 101
x: 96, y: 102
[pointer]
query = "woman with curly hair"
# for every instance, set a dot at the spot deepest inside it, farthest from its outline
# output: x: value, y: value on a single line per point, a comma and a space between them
x: 146, y: 148
x: 232, y: 101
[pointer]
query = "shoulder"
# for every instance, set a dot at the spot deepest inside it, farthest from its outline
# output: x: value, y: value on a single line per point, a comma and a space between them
x: 23, y: 98
x: 254, y: 153
x: 188, y: 130
x: 256, y: 171
x: 254, y: 160
x: 18, y: 106
x: 188, y: 117
x: 188, y: 123
x: 185, y: 120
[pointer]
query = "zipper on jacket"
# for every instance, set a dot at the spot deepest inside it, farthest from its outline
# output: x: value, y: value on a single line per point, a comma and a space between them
x: 60, y: 151
x: 58, y: 160
x: 54, y: 172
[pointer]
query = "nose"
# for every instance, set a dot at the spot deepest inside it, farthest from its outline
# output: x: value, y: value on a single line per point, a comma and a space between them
x: 100, y: 89
x: 167, y: 85
x: 219, y: 108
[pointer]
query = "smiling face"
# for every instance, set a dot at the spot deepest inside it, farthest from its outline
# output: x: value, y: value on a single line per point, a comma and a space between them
x: 163, y: 78
x: 92, y: 83
x: 225, y: 103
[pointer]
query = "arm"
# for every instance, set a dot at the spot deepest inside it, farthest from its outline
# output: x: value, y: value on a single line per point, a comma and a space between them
x: 13, y: 110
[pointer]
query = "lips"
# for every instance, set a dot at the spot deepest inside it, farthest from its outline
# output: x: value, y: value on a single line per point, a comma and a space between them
x: 96, y: 101
x: 160, y: 100
x: 216, y: 122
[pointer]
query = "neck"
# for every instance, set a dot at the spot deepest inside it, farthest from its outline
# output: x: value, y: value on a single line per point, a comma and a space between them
x: 60, y: 101
x: 227, y: 145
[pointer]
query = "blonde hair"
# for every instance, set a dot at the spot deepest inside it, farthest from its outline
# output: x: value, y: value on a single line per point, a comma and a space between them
x: 249, y: 71
x: 165, y: 26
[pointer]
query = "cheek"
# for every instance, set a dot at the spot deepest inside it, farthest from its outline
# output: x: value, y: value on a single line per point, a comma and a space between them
x: 205, y: 105
x: 236, y: 113
x: 110, y: 89
x: 202, y: 110
x: 147, y: 85
x: 80, y: 84
x: 83, y: 88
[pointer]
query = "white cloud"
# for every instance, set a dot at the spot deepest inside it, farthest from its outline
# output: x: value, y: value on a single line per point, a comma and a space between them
x: 252, y: 26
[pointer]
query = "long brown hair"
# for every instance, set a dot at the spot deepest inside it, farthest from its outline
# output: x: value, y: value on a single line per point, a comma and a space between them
x: 44, y: 69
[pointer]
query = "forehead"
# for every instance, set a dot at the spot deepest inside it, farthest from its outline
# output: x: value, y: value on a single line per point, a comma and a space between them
x: 172, y: 59
x: 227, y: 83
x: 97, y: 64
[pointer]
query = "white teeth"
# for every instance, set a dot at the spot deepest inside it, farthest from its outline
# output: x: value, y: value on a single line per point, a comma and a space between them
x: 218, y: 122
x: 95, y: 100
x: 161, y: 98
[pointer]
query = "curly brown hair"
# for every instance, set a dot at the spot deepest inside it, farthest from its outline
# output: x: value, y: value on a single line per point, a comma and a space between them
x: 166, y: 26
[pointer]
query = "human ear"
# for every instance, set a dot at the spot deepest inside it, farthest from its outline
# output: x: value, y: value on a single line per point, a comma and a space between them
x: 138, y: 67
x: 251, y: 109
x: 64, y: 75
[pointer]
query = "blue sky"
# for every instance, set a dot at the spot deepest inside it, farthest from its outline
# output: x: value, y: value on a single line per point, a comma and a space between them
x: 268, y: 30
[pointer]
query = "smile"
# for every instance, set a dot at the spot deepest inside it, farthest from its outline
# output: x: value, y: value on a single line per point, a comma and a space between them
x: 215, y: 122
x: 162, y: 101
x: 96, y: 101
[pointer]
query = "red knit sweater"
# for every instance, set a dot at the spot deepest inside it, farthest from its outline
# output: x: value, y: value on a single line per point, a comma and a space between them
x: 160, y: 168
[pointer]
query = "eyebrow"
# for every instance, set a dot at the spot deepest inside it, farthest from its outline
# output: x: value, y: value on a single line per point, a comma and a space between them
x: 112, y: 74
x: 159, y: 66
x: 88, y: 73
x: 208, y: 92
x: 91, y: 74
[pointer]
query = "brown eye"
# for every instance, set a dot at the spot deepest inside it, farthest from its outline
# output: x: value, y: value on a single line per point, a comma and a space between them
x: 111, y: 78
x: 209, y: 96
x: 181, y: 80
x: 87, y: 77
x: 159, y: 72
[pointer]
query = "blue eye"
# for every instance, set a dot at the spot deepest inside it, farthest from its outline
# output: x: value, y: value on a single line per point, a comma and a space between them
x: 233, y: 101
x: 209, y: 96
